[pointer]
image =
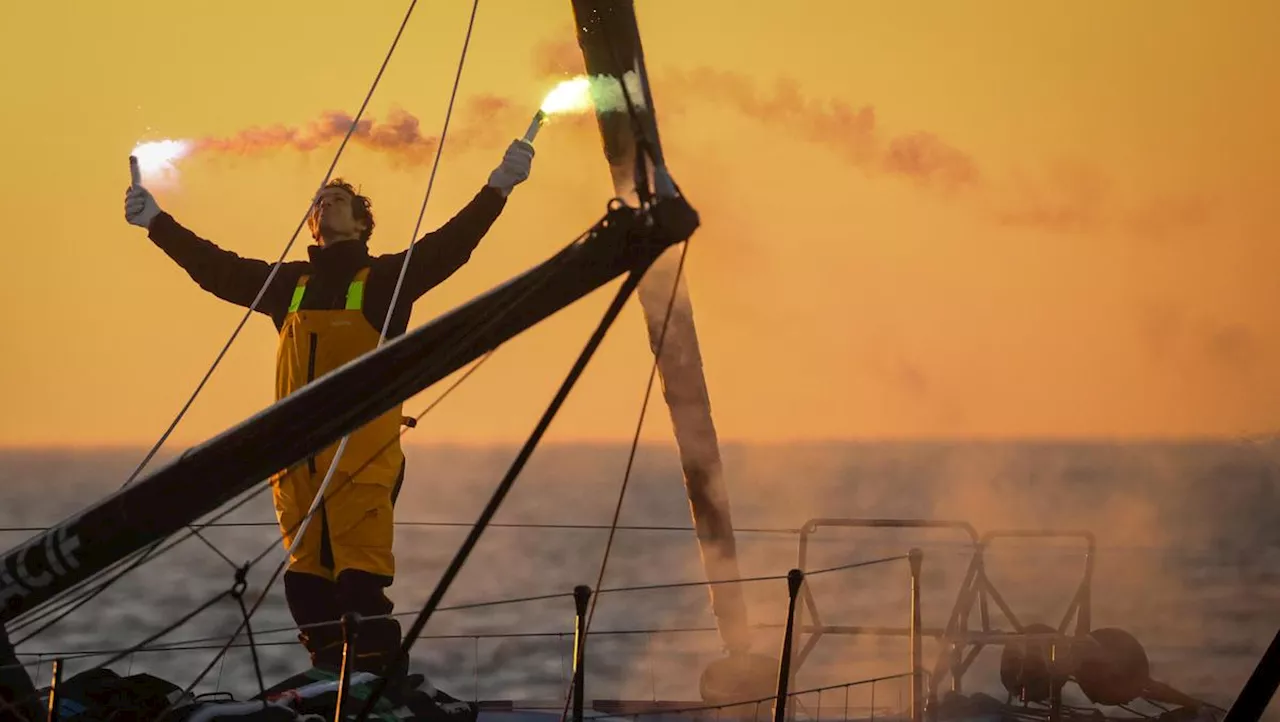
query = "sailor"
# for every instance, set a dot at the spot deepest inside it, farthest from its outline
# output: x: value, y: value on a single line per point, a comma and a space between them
x: 329, y: 310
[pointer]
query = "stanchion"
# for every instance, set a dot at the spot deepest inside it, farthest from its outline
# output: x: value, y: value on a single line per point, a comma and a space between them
x: 915, y: 558
x: 350, y: 630
x: 581, y: 595
x: 795, y: 578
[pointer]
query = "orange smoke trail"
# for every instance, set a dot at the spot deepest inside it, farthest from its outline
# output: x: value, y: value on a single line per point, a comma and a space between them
x: 1059, y: 198
x: 923, y: 158
x: 400, y: 135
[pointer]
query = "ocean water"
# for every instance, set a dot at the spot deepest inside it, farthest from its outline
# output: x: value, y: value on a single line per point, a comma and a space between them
x: 1187, y: 560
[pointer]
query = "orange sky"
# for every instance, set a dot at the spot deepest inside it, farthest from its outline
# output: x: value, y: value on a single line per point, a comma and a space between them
x: 1093, y: 255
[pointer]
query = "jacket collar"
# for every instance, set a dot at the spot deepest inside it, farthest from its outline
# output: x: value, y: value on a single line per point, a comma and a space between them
x: 347, y: 256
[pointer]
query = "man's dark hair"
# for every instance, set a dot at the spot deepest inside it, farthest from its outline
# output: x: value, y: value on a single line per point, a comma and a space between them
x: 361, y: 207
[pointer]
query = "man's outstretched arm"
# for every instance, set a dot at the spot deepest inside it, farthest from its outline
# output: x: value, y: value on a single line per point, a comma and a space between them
x: 220, y: 272
x: 439, y: 254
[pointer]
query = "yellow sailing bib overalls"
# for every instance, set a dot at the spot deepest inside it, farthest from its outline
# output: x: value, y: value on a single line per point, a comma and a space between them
x: 353, y: 528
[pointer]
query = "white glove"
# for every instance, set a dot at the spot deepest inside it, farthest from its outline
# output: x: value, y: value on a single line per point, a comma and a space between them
x: 514, y: 168
x: 140, y: 207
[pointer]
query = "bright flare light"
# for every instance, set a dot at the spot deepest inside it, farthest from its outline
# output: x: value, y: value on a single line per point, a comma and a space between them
x: 156, y: 158
x: 581, y: 94
x: 569, y: 96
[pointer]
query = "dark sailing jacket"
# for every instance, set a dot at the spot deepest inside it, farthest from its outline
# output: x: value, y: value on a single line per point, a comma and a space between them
x: 436, y: 256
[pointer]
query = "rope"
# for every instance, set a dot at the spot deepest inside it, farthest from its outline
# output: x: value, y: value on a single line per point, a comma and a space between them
x: 350, y: 479
x: 151, y: 551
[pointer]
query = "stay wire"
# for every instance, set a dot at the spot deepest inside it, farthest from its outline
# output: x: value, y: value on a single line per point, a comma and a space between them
x: 283, y: 562
x: 515, y: 303
x: 642, y: 147
x: 266, y: 284
x: 318, y: 499
x: 504, y: 486
x: 270, y: 277
x: 194, y: 643
x: 250, y: 495
x: 276, y: 267
x: 140, y: 557
x: 151, y: 554
x: 157, y: 635
x: 150, y: 551
x: 631, y: 457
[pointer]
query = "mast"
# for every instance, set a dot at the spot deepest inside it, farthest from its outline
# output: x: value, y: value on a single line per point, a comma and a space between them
x: 209, y: 475
x: 609, y: 37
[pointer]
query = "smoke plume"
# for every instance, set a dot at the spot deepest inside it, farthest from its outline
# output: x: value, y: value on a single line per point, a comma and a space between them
x: 399, y: 136
x: 922, y: 157
x: 1060, y: 198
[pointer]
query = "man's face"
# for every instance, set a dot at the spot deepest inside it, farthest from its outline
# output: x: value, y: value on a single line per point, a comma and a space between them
x: 332, y: 218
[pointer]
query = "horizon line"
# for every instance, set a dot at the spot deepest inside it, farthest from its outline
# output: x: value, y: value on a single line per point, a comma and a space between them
x: 922, y: 440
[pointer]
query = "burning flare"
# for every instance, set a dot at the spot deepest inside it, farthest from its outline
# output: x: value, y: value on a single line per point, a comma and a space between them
x: 156, y: 158
x: 581, y: 93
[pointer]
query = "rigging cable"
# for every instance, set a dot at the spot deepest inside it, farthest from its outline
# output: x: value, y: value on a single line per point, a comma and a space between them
x: 516, y: 302
x: 504, y: 486
x: 76, y: 603
x: 258, y: 299
x: 631, y: 458
x: 280, y: 567
x: 643, y: 151
x: 36, y: 616
x: 318, y: 499
x: 276, y: 267
x: 253, y: 493
x: 67, y: 605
